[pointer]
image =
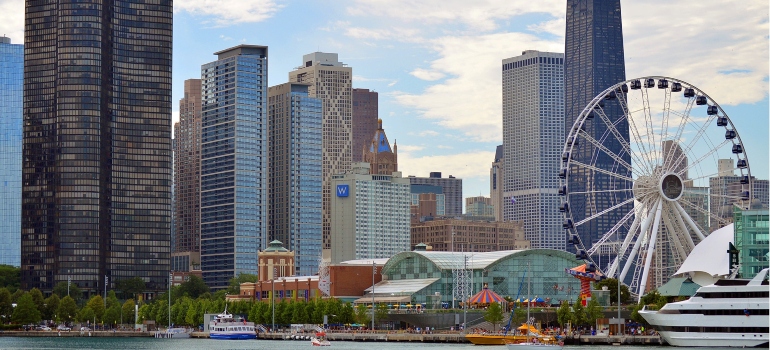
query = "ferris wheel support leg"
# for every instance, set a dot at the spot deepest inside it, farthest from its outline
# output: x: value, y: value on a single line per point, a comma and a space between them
x: 675, y: 235
x: 632, y: 256
x: 680, y: 222
x: 687, y: 218
x: 622, y: 249
x: 650, y: 249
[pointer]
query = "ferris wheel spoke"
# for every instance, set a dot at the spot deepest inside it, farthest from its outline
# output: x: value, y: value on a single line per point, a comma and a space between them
x: 708, y: 175
x: 606, y: 150
x: 629, y: 116
x: 738, y: 198
x: 601, y: 191
x: 624, y: 246
x: 710, y: 153
x: 611, y: 232
x: 684, y: 118
x: 666, y: 111
x: 605, y: 211
x: 591, y: 167
x: 691, y: 144
x: 623, y: 142
x: 650, y: 248
x: 703, y: 211
x: 649, y: 126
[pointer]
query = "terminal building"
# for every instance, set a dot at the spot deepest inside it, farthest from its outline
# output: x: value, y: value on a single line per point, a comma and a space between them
x: 428, y: 277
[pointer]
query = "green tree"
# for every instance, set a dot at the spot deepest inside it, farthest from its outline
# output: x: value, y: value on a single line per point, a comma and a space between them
x: 362, y: 314
x: 38, y: 299
x: 128, y: 312
x: 112, y: 299
x: 51, y: 305
x: 578, y: 312
x: 96, y: 304
x: 86, y: 315
x: 146, y: 312
x: 6, y: 307
x: 612, y: 287
x: 67, y: 310
x: 191, y: 317
x: 130, y: 287
x: 235, y: 283
x: 61, y: 290
x: 347, y: 314
x: 26, y: 311
x: 380, y: 314
x: 564, y: 314
x: 494, y: 314
x: 299, y: 314
x: 112, y: 315
x: 16, y: 295
x: 10, y: 277
x: 593, y: 312
x: 193, y: 287
x: 519, y: 316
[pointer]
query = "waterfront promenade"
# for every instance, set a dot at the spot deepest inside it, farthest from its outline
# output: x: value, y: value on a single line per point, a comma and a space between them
x: 108, y: 333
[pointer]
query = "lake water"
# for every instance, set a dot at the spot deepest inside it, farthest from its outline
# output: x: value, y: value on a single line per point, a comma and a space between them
x: 108, y: 343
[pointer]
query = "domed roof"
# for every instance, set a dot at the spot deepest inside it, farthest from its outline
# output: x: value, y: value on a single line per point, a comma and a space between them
x: 276, y: 246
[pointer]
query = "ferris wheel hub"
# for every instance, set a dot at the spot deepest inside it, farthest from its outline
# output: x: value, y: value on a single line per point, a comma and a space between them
x: 671, y: 186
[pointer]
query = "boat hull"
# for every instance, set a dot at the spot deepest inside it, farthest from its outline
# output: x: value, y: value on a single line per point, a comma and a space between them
x: 666, y: 323
x: 533, y: 346
x: 494, y: 339
x: 232, y: 336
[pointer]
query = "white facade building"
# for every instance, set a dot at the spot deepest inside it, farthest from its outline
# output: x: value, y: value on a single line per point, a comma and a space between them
x: 370, y: 215
x: 533, y: 137
x: 331, y: 81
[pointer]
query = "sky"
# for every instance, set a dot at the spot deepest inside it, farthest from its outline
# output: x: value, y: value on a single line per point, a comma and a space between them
x: 436, y: 63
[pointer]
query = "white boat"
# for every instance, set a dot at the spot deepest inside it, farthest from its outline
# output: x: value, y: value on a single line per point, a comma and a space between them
x: 224, y: 326
x: 320, y: 340
x: 729, y: 313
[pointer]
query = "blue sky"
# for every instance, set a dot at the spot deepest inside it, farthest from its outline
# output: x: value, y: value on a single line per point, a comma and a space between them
x: 435, y: 63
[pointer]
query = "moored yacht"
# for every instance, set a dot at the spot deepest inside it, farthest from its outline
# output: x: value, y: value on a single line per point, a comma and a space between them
x: 224, y: 326
x: 729, y: 313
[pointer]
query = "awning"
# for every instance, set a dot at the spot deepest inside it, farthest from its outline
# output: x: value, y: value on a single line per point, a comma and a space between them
x: 390, y: 299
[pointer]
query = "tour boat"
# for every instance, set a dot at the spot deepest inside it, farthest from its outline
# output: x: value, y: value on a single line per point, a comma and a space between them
x: 728, y: 313
x: 224, y: 326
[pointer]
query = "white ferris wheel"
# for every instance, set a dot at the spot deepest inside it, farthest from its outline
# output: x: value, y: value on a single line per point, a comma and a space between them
x: 650, y: 167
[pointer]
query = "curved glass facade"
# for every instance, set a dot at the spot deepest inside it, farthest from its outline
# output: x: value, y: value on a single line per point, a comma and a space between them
x: 11, y: 82
x: 97, y: 143
x: 503, y: 271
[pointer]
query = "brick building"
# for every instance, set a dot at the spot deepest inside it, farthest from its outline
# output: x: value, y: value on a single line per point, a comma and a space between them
x: 476, y: 236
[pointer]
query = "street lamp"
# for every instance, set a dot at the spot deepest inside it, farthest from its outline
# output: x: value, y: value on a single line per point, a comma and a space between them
x: 374, y: 271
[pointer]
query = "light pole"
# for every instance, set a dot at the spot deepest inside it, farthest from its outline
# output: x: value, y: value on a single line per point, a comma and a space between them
x: 374, y: 271
x: 272, y: 296
x: 170, y: 279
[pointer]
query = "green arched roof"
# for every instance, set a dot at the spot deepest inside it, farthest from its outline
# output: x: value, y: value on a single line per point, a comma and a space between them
x: 475, y: 261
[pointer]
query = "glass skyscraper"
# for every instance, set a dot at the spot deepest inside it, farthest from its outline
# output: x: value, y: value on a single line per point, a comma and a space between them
x: 296, y: 173
x: 594, y: 61
x: 234, y: 135
x: 97, y: 143
x: 11, y: 89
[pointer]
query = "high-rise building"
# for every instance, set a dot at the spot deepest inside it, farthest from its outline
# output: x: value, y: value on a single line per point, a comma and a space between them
x: 452, y: 235
x: 97, y: 144
x: 594, y: 61
x: 370, y: 215
x: 725, y: 191
x: 750, y: 237
x: 234, y: 145
x: 496, y: 183
x: 185, y: 255
x: 11, y: 93
x: 330, y: 81
x: 365, y: 120
x: 295, y: 173
x: 479, y: 206
x: 533, y: 139
x: 451, y: 188
x: 428, y: 201
x: 381, y: 158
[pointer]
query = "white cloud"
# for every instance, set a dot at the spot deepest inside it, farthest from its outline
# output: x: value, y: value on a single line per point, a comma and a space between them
x: 555, y: 27
x: 226, y: 13
x: 720, y: 48
x: 426, y: 74
x: 477, y: 15
x: 474, y: 164
x: 409, y: 148
x: 470, y: 98
x: 12, y: 20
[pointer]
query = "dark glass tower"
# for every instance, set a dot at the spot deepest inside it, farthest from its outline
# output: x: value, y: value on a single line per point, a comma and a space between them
x: 594, y: 61
x: 96, y: 199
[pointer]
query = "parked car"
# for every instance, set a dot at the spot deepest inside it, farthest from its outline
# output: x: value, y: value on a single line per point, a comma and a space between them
x: 43, y: 328
x: 63, y: 328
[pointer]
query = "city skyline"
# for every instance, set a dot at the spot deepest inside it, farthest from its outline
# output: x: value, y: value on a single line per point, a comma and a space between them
x: 433, y: 89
